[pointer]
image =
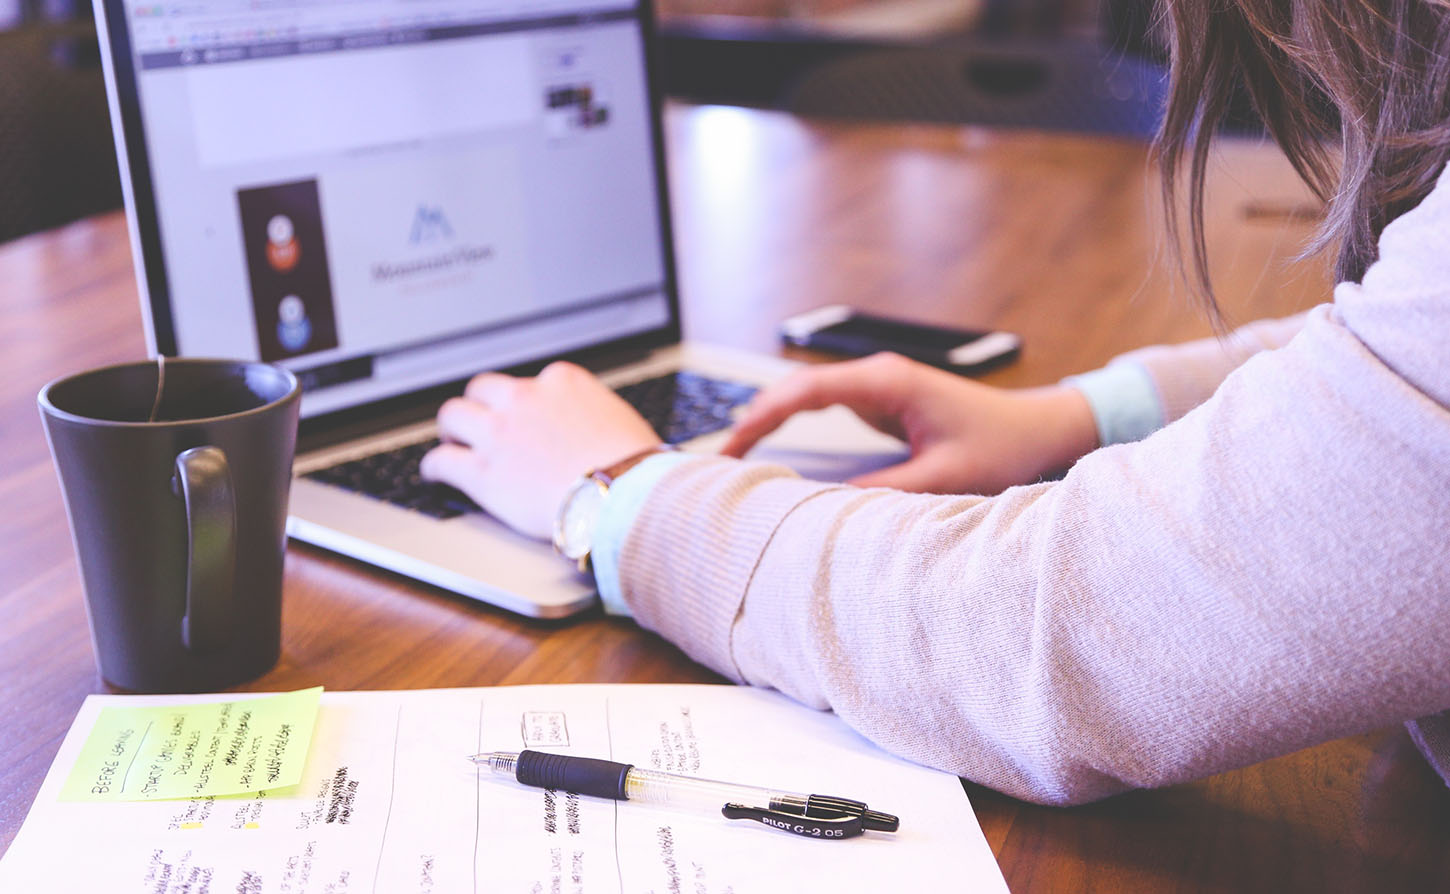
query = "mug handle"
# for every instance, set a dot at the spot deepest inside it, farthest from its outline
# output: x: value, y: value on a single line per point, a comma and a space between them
x: 203, y: 480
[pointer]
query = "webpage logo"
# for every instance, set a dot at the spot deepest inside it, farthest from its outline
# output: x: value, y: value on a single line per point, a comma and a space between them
x: 429, y: 225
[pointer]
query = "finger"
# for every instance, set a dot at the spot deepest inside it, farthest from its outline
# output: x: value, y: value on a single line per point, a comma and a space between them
x: 854, y: 384
x: 805, y: 389
x: 493, y: 389
x: 920, y: 474
x: 466, y: 422
x: 456, y: 465
x: 563, y: 370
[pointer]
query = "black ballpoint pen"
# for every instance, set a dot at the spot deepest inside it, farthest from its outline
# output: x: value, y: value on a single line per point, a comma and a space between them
x: 811, y: 816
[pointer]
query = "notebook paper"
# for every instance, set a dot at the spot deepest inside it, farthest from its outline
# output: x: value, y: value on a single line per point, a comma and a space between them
x: 388, y: 801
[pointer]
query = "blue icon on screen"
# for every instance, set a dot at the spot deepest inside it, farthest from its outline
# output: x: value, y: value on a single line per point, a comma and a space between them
x: 294, y: 329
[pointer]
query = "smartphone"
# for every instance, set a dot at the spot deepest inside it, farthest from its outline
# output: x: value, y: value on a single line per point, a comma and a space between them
x: 845, y: 330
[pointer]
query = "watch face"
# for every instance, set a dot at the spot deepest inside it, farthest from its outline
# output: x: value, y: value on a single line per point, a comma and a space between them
x: 574, y: 530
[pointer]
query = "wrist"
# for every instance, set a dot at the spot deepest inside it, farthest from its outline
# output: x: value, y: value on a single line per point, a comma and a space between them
x: 577, y: 518
x: 627, y: 501
x: 619, y: 467
x: 1123, y: 399
x: 1069, y: 428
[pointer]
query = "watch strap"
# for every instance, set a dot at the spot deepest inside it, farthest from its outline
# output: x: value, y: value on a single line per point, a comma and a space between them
x: 604, y: 477
x: 608, y: 474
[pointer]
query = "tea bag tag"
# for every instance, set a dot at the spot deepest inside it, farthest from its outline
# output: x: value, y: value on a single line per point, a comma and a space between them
x: 160, y: 386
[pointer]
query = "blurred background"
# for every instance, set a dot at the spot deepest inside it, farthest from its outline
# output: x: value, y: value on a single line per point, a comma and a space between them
x: 1077, y: 65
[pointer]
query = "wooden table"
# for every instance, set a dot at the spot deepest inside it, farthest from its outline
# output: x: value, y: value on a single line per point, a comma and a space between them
x: 1049, y: 236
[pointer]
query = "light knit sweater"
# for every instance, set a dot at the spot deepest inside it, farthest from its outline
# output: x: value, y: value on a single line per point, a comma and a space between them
x: 1267, y: 571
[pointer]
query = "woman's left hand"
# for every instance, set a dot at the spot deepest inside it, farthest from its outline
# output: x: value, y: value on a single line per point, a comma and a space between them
x: 516, y: 445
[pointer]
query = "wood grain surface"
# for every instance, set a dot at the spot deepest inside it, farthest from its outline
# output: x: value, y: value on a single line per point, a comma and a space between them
x: 1053, y: 237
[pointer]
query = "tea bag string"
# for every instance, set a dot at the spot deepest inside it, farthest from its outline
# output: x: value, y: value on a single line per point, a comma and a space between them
x: 160, y: 385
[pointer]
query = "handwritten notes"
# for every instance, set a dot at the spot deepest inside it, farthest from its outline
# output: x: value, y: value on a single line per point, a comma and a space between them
x: 389, y: 801
x: 155, y: 753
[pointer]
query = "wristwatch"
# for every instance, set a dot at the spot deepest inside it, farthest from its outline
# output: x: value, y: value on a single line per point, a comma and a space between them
x: 579, y: 513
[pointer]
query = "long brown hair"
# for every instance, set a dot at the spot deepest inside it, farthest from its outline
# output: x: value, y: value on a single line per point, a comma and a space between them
x: 1356, y: 93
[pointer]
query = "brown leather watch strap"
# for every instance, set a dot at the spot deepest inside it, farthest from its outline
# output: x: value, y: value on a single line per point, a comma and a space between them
x: 608, y: 474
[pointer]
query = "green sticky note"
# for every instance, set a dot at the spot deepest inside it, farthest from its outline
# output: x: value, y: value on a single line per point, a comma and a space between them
x: 158, y: 752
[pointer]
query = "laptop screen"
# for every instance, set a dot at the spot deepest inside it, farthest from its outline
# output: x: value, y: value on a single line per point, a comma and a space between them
x: 384, y: 196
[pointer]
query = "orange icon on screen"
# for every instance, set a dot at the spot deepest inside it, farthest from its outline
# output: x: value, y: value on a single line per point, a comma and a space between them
x: 282, y: 249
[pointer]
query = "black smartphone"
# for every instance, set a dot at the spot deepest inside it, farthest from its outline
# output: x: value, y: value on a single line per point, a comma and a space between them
x: 844, y: 330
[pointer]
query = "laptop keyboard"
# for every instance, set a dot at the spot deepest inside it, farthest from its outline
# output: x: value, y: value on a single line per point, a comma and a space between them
x: 683, y: 405
x: 679, y: 406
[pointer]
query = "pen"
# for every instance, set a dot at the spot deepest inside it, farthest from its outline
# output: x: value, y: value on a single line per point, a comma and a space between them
x: 812, y: 816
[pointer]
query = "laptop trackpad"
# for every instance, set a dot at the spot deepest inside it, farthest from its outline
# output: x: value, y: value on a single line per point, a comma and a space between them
x: 830, y: 445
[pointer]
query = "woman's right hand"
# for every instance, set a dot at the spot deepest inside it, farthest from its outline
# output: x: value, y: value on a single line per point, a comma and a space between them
x: 965, y: 437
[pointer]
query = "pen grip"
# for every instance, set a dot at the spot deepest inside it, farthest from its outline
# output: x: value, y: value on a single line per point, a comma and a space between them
x: 584, y: 775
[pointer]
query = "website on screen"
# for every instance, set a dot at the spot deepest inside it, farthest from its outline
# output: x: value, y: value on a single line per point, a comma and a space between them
x: 384, y: 196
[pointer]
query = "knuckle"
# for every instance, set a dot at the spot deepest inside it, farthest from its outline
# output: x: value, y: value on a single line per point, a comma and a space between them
x: 891, y: 367
x: 489, y: 388
x: 561, y: 369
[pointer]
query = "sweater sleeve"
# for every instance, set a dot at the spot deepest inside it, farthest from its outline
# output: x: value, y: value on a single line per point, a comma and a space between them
x: 1136, y: 393
x: 1265, y: 573
x: 1184, y: 375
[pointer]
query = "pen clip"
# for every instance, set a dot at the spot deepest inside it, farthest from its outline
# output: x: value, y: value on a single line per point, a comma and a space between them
x: 824, y: 827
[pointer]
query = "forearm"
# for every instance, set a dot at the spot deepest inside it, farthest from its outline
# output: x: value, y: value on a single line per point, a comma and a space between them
x: 1171, y: 608
x: 1185, y: 375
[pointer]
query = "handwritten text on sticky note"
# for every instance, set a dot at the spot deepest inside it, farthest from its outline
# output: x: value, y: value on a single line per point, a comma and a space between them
x: 194, y: 750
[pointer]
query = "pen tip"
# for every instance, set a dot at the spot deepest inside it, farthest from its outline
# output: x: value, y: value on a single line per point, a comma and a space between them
x: 497, y: 761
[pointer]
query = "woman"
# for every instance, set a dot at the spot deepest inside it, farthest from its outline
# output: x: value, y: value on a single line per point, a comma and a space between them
x: 1248, y: 555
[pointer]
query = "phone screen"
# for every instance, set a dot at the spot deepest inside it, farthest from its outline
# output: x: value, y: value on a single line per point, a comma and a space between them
x: 897, y: 335
x: 845, y: 331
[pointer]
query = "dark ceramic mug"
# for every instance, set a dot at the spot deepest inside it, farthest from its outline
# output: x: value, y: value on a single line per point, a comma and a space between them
x: 177, y: 499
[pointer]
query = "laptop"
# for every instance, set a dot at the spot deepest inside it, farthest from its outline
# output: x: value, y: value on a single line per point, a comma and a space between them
x: 389, y: 197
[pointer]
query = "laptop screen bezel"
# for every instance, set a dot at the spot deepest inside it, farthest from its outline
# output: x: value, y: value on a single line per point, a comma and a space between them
x: 141, y: 195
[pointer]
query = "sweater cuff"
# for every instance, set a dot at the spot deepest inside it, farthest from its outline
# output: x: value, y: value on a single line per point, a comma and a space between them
x: 627, y: 494
x: 1123, y: 399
